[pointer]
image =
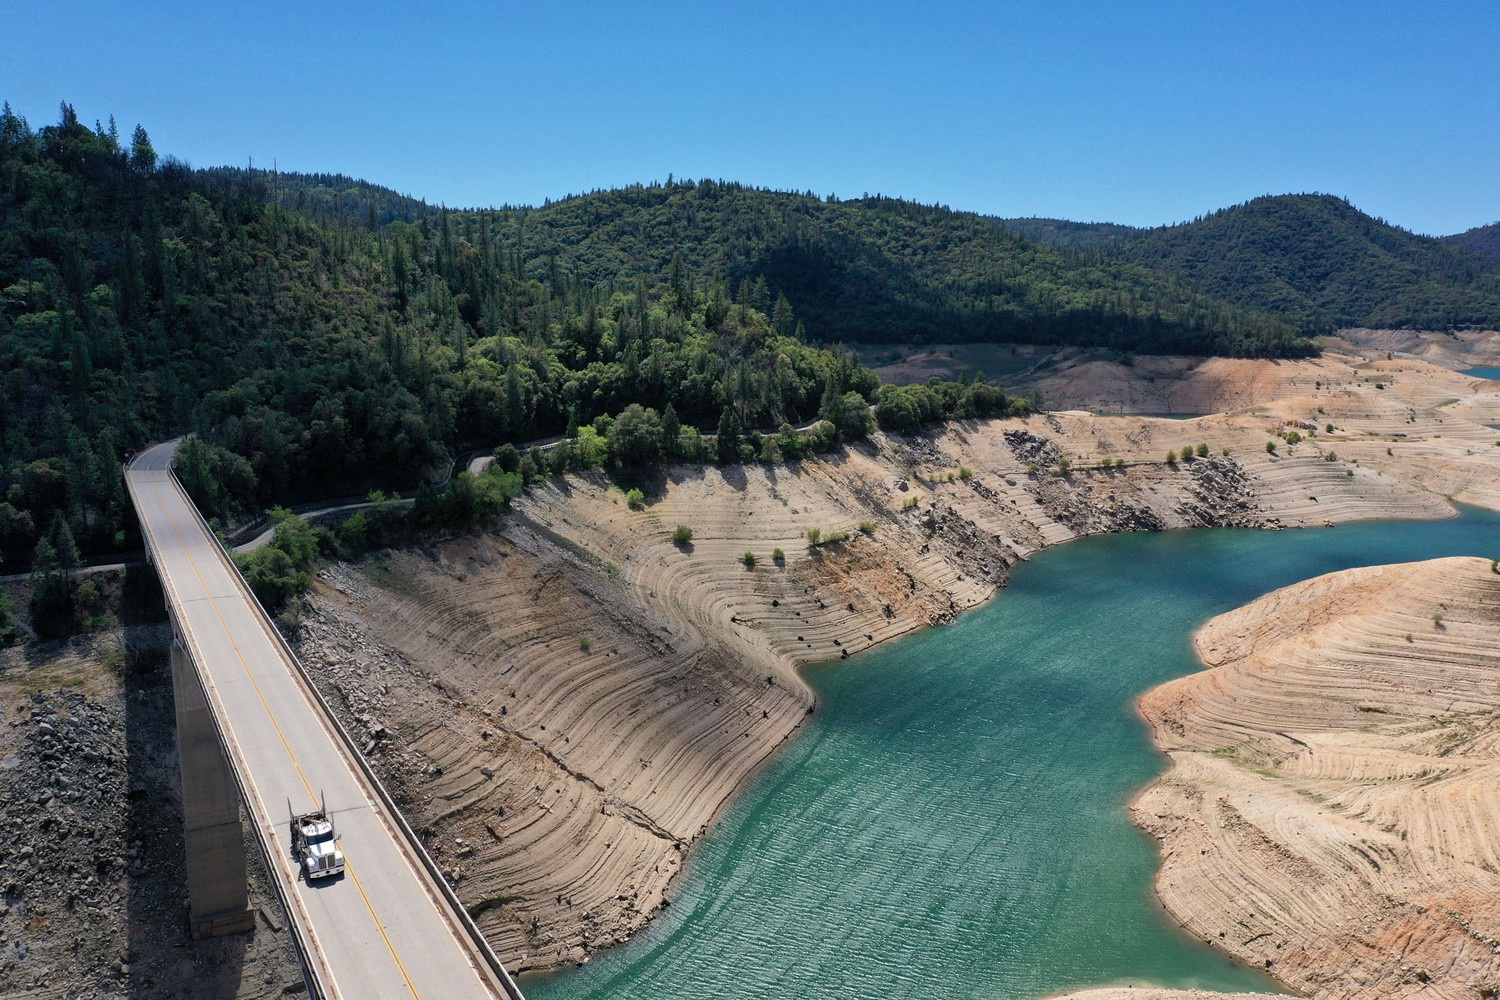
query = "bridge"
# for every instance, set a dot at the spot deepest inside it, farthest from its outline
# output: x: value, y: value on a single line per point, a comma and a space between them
x: 253, y: 729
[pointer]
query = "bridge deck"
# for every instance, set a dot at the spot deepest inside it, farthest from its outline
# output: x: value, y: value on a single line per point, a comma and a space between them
x: 383, y: 929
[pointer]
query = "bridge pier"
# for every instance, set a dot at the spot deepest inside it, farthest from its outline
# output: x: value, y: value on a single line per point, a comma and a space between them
x: 218, y: 896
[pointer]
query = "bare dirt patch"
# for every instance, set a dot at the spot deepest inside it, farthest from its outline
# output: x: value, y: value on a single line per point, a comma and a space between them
x: 92, y: 879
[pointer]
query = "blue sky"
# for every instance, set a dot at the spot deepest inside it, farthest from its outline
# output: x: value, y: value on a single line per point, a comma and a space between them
x: 1143, y: 113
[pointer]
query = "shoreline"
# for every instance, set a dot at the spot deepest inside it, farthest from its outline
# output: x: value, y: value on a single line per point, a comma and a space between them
x: 1352, y: 608
x: 939, y: 545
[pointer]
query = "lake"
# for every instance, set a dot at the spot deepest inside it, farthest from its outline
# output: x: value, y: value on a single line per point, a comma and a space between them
x: 953, y: 821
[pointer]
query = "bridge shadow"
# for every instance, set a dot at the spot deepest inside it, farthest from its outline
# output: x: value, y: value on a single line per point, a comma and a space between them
x: 164, y: 959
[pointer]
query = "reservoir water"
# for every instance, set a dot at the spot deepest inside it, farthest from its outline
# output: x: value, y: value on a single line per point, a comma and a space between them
x: 1483, y: 372
x: 953, y: 821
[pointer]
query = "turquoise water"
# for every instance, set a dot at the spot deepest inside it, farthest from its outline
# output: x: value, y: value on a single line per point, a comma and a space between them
x: 1483, y: 372
x: 952, y: 823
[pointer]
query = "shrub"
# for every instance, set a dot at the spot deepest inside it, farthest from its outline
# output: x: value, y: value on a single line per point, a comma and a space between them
x: 681, y: 535
x: 1171, y: 457
x: 1270, y: 447
x: 778, y: 557
x: 1327, y: 428
x: 1332, y: 456
x: 1187, y: 453
x: 1032, y: 467
x: 964, y: 472
x: 868, y: 527
x: 583, y: 644
x: 10, y: 629
x: 1202, y: 450
x: 508, y: 458
x: 1063, y: 465
x: 748, y: 559
x: 814, y: 535
x: 1119, y: 463
x: 635, y: 500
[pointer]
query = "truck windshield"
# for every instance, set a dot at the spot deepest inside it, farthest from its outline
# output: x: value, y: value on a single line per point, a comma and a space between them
x: 321, y: 838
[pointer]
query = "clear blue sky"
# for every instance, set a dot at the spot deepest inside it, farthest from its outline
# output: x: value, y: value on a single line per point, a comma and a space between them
x: 1139, y: 112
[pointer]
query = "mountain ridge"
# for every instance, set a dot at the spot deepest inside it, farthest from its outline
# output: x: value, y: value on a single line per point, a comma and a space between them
x: 1318, y: 260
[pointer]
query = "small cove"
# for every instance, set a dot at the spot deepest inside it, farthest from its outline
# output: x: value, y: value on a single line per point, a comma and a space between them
x: 952, y: 822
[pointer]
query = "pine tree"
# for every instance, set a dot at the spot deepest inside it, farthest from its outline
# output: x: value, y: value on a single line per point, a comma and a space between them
x: 782, y: 320
x: 142, y: 155
x: 727, y: 444
x: 671, y: 430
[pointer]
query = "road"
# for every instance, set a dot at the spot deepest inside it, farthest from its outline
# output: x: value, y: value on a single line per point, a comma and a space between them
x: 385, y: 929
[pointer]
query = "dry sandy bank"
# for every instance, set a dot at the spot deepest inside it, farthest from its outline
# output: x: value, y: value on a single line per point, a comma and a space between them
x: 564, y: 705
x: 1333, y: 809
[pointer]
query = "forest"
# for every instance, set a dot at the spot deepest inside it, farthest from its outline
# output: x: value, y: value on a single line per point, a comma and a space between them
x: 880, y: 270
x: 1320, y: 263
x: 320, y: 354
x: 1483, y: 240
x: 324, y: 337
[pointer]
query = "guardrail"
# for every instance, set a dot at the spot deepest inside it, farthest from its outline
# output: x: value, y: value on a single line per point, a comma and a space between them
x: 461, y: 915
x: 317, y: 988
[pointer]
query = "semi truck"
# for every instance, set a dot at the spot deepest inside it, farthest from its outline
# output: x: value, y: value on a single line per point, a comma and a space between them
x: 315, y: 845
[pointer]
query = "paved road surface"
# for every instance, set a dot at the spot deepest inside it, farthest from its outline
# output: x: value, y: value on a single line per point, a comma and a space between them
x: 383, y: 929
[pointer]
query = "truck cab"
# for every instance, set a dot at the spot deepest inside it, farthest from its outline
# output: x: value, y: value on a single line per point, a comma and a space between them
x: 315, y: 845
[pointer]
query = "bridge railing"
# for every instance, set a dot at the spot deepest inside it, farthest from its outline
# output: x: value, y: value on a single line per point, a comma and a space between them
x: 311, y: 970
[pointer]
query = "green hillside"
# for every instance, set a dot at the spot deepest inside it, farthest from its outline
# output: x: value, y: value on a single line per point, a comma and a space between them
x: 877, y: 269
x: 1069, y: 235
x: 1320, y: 262
x: 140, y: 299
x: 1484, y: 240
x: 327, y: 198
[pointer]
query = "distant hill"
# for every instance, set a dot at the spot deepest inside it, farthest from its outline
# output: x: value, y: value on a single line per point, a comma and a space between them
x: 1069, y: 235
x: 1322, y: 263
x: 877, y: 270
x: 1483, y: 240
x: 324, y: 197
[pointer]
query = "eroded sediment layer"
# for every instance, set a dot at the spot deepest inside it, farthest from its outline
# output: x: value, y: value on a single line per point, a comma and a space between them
x: 1332, y: 813
x: 564, y: 705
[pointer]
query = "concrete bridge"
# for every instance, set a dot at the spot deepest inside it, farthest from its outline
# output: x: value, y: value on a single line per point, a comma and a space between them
x: 252, y: 729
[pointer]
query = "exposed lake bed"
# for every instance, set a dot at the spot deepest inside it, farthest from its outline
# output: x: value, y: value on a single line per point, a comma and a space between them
x: 956, y: 817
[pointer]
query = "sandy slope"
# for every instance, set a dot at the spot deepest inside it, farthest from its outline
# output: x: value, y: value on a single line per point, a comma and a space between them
x: 1333, y: 809
x: 1460, y: 349
x: 565, y: 705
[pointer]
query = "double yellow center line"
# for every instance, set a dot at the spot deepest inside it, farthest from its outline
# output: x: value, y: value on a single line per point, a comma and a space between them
x: 250, y: 676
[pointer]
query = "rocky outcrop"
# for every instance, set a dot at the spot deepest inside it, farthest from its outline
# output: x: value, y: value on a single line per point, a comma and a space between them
x: 92, y: 870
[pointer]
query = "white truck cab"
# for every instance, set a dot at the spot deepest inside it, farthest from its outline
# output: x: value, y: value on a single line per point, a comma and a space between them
x: 315, y: 845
